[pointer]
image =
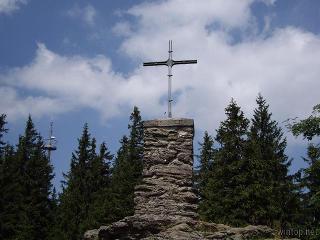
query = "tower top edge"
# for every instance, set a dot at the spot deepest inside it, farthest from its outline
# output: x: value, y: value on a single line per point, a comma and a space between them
x: 171, y: 122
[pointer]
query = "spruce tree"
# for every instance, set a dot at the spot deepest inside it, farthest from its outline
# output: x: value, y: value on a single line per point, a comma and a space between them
x: 82, y: 204
x: 100, y: 212
x: 123, y: 182
x: 37, y: 182
x: 205, y: 168
x: 3, y: 130
x: 54, y: 231
x: 12, y: 194
x: 99, y: 169
x: 28, y: 175
x: 136, y: 143
x: 271, y: 193
x: 9, y: 209
x: 76, y: 195
x: 128, y: 167
x: 224, y: 193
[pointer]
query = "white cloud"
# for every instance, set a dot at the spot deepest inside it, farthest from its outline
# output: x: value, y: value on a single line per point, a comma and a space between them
x: 67, y: 83
x: 122, y: 29
x: 87, y: 14
x: 160, y: 21
x: 9, y: 6
x: 283, y: 66
x: 15, y: 106
x: 179, y: 12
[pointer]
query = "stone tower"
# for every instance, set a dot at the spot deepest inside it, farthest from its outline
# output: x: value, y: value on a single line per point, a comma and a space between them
x: 165, y: 204
x: 165, y: 196
x: 166, y: 188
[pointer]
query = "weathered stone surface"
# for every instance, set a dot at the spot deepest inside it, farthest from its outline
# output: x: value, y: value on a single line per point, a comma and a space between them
x: 165, y: 202
x: 166, y: 188
x: 92, y: 234
x: 210, y: 231
x: 151, y: 227
x: 185, y: 122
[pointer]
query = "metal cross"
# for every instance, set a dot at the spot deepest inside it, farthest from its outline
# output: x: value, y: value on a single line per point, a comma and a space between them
x: 170, y: 63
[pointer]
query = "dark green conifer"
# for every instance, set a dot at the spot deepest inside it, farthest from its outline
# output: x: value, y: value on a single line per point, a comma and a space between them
x: 85, y: 191
x: 100, y: 212
x: 136, y: 143
x: 28, y: 176
x: 37, y: 182
x: 123, y: 181
x: 3, y: 130
x: 205, y: 168
x: 128, y: 167
x: 224, y: 193
x: 100, y: 175
x: 76, y: 195
x: 270, y: 191
x: 11, y: 197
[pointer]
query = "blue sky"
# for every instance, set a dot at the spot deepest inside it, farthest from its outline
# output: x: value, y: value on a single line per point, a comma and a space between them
x: 73, y: 62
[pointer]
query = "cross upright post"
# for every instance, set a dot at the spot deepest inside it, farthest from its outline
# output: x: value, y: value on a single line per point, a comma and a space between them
x: 170, y: 63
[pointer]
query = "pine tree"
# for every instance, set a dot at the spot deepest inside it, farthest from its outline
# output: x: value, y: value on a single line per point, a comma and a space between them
x: 27, y: 190
x: 205, y: 168
x: 54, y: 231
x: 76, y: 195
x: 100, y: 175
x: 225, y: 189
x: 37, y: 176
x: 123, y: 182
x: 12, y: 195
x: 100, y: 211
x: 128, y: 167
x: 9, y: 210
x: 3, y: 130
x: 82, y: 204
x: 270, y: 190
x: 136, y: 143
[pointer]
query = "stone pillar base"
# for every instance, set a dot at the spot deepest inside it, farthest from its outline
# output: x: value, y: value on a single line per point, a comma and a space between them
x: 166, y: 188
x: 165, y: 204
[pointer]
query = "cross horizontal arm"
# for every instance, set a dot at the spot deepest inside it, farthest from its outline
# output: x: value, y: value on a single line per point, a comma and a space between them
x: 155, y: 63
x: 184, y: 62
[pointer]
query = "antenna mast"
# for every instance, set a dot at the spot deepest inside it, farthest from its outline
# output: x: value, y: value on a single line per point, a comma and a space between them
x: 50, y: 144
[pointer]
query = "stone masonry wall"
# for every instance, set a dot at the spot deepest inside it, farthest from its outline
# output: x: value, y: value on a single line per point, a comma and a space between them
x: 166, y: 187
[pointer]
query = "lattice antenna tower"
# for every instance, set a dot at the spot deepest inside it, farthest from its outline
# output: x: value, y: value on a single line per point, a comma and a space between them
x: 51, y: 142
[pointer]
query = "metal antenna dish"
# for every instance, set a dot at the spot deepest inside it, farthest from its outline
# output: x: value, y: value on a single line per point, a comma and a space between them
x: 51, y: 142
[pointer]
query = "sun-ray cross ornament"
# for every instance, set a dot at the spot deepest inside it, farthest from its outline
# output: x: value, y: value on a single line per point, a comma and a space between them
x: 170, y: 63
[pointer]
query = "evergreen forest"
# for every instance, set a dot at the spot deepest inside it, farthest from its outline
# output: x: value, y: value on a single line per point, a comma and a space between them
x: 242, y: 177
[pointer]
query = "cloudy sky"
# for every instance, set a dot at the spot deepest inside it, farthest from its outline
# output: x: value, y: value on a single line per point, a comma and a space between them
x: 80, y: 61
